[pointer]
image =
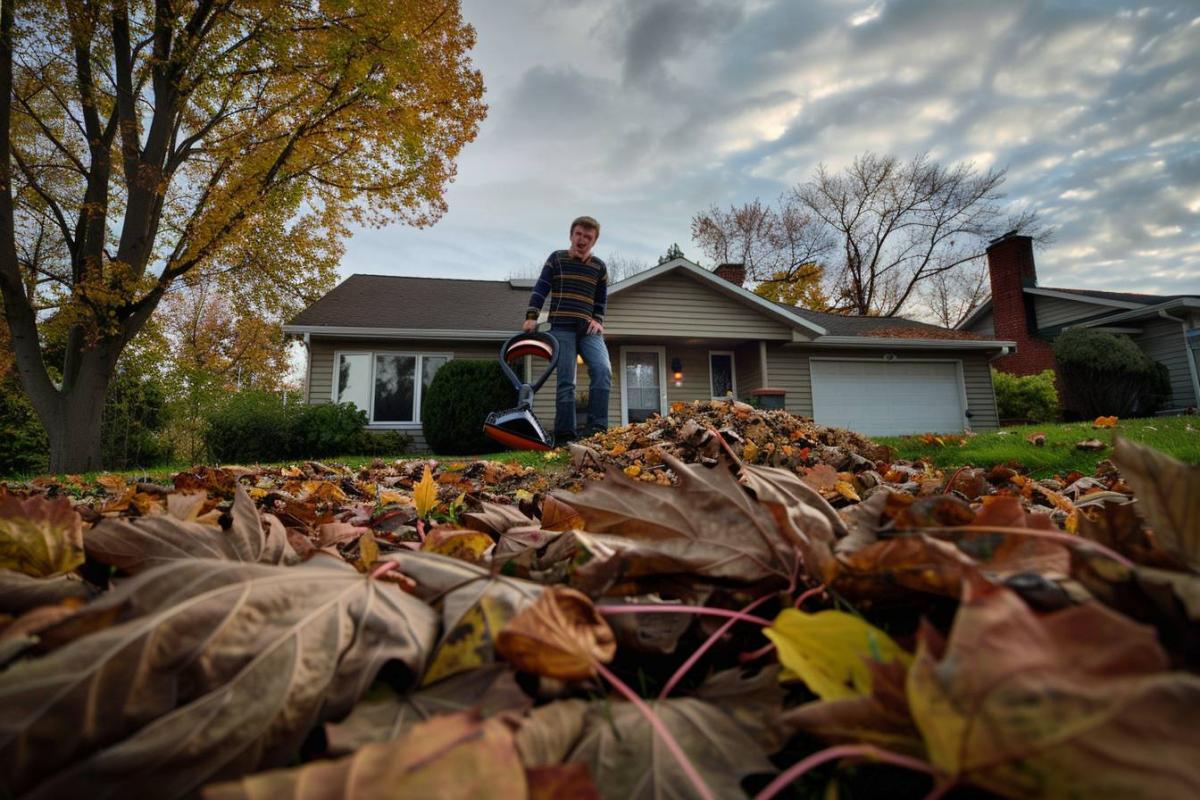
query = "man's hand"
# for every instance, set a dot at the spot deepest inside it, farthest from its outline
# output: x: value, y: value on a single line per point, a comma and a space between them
x: 594, y: 327
x: 529, y: 326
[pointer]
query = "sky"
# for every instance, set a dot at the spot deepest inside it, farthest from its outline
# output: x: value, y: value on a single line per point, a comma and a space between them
x: 644, y: 112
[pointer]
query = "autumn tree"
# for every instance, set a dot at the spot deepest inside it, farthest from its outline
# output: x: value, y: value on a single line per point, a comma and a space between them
x: 147, y: 141
x: 776, y: 244
x: 802, y: 287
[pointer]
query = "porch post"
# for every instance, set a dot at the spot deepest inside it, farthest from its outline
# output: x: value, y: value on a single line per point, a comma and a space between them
x: 762, y: 361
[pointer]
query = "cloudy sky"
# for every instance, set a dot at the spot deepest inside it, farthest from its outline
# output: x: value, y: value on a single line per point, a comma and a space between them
x: 643, y: 112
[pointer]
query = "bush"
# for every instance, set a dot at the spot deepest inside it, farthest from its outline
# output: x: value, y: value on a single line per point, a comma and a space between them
x: 24, y: 446
x: 1107, y: 374
x: 1029, y: 397
x: 249, y: 426
x: 460, y: 396
x: 257, y: 426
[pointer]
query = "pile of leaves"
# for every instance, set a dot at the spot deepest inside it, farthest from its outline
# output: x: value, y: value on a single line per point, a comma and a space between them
x: 740, y: 629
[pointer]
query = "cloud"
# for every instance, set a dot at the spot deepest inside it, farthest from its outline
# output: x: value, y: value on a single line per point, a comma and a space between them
x: 646, y: 111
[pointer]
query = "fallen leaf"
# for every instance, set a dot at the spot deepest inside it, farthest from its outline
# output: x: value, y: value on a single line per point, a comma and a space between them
x: 1168, y: 495
x: 454, y: 756
x: 134, y: 545
x: 548, y: 733
x: 1036, y: 439
x: 20, y: 592
x: 830, y: 651
x: 556, y: 781
x: 212, y: 667
x: 561, y: 635
x: 559, y: 516
x: 39, y: 537
x: 494, y: 518
x: 846, y: 490
x: 1059, y: 705
x: 1105, y: 422
x: 368, y: 550
x: 459, y: 543
x: 1090, y: 445
x: 386, y: 716
x: 425, y: 494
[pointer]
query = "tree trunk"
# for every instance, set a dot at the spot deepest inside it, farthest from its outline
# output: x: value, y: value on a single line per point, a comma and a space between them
x: 75, y: 433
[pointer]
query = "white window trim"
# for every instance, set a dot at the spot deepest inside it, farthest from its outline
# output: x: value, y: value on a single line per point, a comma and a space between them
x: 963, y: 401
x: 418, y: 388
x: 662, y: 378
x: 732, y: 372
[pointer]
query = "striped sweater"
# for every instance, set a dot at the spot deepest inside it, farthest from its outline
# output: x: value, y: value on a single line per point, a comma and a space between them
x: 577, y: 289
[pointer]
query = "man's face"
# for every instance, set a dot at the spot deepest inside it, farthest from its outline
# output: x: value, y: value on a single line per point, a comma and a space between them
x: 582, y: 240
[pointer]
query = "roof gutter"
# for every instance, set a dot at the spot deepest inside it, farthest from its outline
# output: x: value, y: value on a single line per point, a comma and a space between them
x: 887, y: 341
x: 345, y: 332
x: 1137, y: 313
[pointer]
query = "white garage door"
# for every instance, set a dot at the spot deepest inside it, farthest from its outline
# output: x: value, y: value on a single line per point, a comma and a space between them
x: 888, y: 397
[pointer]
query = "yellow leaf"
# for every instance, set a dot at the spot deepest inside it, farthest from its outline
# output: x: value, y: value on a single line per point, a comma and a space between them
x: 256, y: 493
x: 457, y: 502
x: 829, y: 651
x: 468, y: 645
x: 465, y: 545
x: 847, y: 491
x: 40, y: 537
x: 368, y: 550
x: 633, y: 470
x: 618, y: 449
x: 750, y: 451
x: 523, y: 495
x: 425, y: 494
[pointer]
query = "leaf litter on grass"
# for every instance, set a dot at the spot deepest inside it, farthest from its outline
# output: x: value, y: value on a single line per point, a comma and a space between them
x: 612, y: 629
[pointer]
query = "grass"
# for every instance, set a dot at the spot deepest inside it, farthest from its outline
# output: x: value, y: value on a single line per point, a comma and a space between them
x: 162, y: 473
x: 1176, y: 436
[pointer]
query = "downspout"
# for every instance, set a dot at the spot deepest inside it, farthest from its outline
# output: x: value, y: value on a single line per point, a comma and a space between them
x: 307, y: 367
x: 762, y: 361
x: 1191, y: 358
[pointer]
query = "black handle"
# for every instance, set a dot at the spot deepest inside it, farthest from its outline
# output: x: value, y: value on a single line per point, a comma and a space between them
x: 537, y: 336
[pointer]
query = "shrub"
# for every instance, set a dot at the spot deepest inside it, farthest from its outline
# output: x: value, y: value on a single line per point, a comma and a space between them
x: 132, y: 426
x: 249, y: 426
x: 327, y: 430
x: 1028, y: 397
x: 24, y: 446
x: 1107, y: 374
x: 459, y: 398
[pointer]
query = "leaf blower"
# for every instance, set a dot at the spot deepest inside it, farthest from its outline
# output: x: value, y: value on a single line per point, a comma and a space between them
x: 518, y: 427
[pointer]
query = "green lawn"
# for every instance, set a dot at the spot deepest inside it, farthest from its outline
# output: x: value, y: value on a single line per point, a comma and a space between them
x: 1177, y: 436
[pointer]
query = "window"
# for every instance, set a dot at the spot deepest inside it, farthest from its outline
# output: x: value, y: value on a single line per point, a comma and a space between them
x: 385, y: 385
x: 720, y: 374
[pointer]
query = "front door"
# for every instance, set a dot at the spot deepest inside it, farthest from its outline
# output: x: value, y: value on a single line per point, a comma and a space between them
x: 643, y: 386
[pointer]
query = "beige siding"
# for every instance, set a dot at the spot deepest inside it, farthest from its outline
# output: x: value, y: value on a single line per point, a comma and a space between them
x: 986, y: 324
x: 1163, y: 340
x: 1054, y: 311
x: 747, y: 369
x: 321, y: 354
x: 789, y: 369
x: 674, y: 305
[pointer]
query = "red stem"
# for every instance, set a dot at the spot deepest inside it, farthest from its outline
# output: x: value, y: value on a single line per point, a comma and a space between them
x: 384, y: 568
x: 746, y: 658
x: 656, y: 724
x: 682, y: 609
x: 816, y: 590
x: 842, y: 751
x: 704, y: 648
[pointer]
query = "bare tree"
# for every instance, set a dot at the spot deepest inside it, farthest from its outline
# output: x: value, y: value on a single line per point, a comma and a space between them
x: 781, y: 245
x: 950, y: 297
x: 899, y: 224
x: 619, y: 267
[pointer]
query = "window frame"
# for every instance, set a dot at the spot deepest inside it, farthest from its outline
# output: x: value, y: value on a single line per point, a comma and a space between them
x: 732, y: 373
x: 418, y: 385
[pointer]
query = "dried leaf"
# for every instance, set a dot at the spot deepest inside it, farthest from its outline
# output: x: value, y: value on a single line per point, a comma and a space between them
x: 454, y: 756
x: 560, y: 516
x: 1090, y: 445
x: 831, y: 650
x: 1105, y: 422
x: 368, y: 550
x: 1168, y: 495
x: 561, y: 780
x: 548, y: 733
x: 425, y: 494
x: 459, y: 543
x: 39, y: 537
x: 214, y: 669
x: 134, y: 545
x: 846, y: 490
x: 495, y: 519
x: 560, y: 636
x: 1061, y: 705
x: 489, y: 690
x: 629, y: 763
x: 20, y: 592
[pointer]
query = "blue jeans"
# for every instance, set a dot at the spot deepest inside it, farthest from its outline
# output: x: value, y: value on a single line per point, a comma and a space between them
x: 595, y: 356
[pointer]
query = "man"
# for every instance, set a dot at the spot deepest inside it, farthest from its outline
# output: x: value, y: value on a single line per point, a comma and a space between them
x: 577, y: 284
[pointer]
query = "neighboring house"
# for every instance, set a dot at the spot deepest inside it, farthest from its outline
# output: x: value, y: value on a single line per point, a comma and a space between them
x: 676, y: 332
x: 1165, y: 327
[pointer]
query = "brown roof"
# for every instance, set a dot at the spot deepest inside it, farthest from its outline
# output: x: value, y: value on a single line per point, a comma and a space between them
x: 1127, y: 297
x: 390, y: 301
x: 898, y: 327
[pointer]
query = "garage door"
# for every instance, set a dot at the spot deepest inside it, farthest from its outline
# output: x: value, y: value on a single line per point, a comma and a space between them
x: 888, y: 397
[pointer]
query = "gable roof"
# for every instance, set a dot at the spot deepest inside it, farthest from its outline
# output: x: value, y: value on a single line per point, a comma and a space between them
x: 776, y: 310
x: 852, y: 325
x: 1106, y: 301
x: 429, y: 306
x: 1126, y: 297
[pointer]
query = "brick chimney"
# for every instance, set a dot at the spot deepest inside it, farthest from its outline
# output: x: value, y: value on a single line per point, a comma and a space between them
x: 734, y: 273
x: 1011, y: 269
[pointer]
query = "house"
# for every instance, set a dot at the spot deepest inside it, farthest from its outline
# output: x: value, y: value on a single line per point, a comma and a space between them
x: 1165, y: 327
x: 677, y: 332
